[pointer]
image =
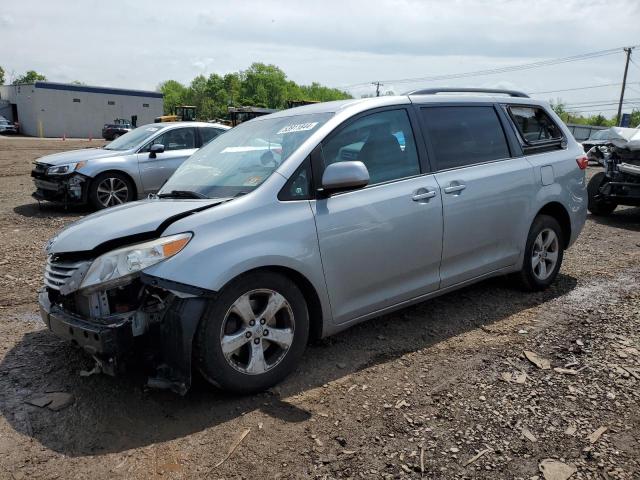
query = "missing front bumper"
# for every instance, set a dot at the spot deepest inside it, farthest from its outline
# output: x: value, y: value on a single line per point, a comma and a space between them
x: 61, y: 188
x: 110, y: 343
x: 169, y: 343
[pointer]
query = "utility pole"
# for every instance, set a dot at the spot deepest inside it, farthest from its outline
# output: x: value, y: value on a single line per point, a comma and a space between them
x: 377, y: 84
x: 624, y: 84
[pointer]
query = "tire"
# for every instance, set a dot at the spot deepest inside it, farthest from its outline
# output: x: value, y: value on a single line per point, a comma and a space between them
x: 237, y: 366
x: 115, y: 136
x: 598, y: 206
x: 531, y: 277
x: 121, y: 188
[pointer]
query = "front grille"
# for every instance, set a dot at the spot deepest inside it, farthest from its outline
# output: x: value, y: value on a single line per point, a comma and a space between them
x: 59, y: 275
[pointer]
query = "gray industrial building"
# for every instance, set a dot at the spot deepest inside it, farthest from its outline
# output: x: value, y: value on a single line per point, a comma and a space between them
x: 48, y: 109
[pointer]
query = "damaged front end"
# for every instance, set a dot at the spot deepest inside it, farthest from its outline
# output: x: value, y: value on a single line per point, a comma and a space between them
x: 116, y: 313
x: 66, y: 188
x: 622, y: 173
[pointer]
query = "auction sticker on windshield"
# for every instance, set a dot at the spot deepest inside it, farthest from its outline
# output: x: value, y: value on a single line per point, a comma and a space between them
x: 299, y: 127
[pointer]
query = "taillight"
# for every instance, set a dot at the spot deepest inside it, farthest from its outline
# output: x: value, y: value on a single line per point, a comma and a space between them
x: 582, y: 161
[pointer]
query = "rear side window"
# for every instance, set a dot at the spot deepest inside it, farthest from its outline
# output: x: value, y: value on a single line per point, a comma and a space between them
x: 462, y: 136
x: 534, y: 125
x: 383, y: 141
x: 208, y: 134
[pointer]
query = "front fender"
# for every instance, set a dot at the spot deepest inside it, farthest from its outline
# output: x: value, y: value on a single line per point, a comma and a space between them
x: 235, y: 238
x: 127, y: 164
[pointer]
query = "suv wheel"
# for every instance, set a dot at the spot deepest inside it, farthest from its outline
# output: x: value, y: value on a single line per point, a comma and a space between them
x: 110, y: 189
x: 254, y: 334
x: 543, y: 254
x: 597, y: 205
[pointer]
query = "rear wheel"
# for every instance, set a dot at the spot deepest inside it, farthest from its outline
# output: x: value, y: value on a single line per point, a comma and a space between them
x: 597, y: 205
x: 254, y: 334
x: 544, y: 251
x: 109, y: 189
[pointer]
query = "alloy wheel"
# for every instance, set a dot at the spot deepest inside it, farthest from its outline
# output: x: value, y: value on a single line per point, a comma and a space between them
x: 545, y: 254
x: 257, y: 331
x: 112, y: 191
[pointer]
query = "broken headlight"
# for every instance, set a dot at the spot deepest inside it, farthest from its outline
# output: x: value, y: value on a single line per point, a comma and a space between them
x: 66, y: 168
x: 119, y: 266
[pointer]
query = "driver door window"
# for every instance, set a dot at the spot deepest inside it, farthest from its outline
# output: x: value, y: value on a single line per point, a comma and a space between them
x: 176, y: 139
x: 383, y: 141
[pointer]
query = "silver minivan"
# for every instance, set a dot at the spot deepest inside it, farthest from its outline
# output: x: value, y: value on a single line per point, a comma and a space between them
x: 302, y: 223
x: 126, y: 169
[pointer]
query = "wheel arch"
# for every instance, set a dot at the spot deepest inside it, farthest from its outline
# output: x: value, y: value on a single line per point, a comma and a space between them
x: 314, y: 306
x: 119, y: 172
x: 559, y: 212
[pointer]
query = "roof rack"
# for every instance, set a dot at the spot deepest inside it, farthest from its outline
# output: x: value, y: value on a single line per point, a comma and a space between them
x: 434, y: 91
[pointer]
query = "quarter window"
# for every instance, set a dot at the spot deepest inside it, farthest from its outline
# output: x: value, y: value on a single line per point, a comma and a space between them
x: 462, y: 136
x: 383, y: 141
x: 534, y: 124
x: 299, y: 185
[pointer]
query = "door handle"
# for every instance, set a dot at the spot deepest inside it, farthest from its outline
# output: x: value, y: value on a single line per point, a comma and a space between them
x: 454, y: 188
x: 424, y: 195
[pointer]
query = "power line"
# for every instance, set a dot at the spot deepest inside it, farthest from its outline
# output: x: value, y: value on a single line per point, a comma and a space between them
x: 512, y: 68
x: 634, y: 63
x: 599, y: 110
x: 599, y: 102
x: 598, y: 106
x: 580, y: 88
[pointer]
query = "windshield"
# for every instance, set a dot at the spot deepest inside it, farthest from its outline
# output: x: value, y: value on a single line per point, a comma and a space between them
x: 599, y: 135
x: 133, y: 138
x: 245, y: 156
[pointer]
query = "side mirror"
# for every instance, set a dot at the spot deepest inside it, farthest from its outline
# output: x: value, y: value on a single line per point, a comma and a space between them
x: 342, y: 176
x: 155, y: 149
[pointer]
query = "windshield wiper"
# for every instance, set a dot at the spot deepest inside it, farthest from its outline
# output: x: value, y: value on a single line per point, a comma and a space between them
x: 182, y: 194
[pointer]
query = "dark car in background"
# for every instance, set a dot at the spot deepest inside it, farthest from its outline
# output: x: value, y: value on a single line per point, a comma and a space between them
x: 119, y: 127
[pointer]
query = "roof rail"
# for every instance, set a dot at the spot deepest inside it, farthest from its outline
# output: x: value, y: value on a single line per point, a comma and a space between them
x: 434, y: 91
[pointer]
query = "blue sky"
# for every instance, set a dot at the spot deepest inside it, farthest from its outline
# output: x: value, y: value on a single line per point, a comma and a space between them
x: 338, y: 43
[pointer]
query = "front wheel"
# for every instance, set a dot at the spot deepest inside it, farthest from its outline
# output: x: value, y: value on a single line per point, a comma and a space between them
x: 543, y: 254
x: 254, y: 334
x: 596, y: 204
x: 109, y: 189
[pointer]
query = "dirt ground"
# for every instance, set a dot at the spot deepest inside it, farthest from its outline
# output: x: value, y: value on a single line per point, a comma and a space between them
x: 438, y: 390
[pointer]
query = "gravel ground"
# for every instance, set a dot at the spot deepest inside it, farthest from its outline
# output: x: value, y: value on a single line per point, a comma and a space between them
x: 439, y: 390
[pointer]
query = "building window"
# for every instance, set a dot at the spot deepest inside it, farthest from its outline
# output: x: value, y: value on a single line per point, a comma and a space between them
x: 145, y: 105
x: 76, y: 100
x: 111, y: 102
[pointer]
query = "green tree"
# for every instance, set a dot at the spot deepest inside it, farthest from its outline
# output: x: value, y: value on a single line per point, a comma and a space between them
x: 174, y: 94
x: 30, y: 77
x: 260, y: 85
x: 635, y: 118
x: 1, y: 76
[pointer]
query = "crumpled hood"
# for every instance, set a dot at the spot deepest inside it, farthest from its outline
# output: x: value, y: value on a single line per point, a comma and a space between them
x: 124, y: 224
x: 79, y: 155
